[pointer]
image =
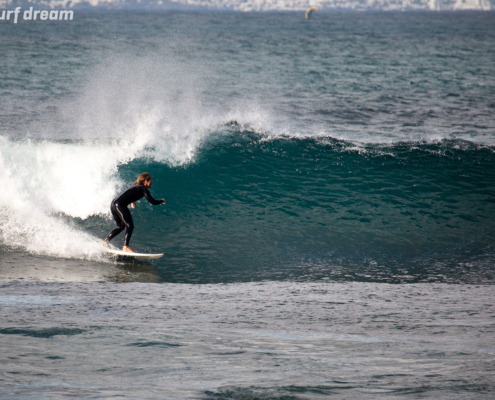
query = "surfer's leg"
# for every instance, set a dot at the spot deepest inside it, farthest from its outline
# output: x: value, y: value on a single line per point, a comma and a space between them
x: 129, y: 225
x: 114, y: 233
x: 123, y: 218
x: 120, y: 223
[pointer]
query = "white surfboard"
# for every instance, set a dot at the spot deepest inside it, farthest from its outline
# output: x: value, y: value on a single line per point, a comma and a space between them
x: 136, y: 255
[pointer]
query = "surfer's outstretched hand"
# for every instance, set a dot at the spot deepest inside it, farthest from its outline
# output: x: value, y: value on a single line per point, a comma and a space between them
x: 163, y: 201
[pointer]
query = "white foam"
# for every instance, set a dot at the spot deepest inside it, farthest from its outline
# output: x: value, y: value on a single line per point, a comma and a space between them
x: 44, y: 179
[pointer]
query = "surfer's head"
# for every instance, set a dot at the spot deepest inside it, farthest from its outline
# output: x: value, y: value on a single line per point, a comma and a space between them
x: 144, y: 179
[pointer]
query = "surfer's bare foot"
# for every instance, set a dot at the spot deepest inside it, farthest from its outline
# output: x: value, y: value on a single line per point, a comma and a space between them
x: 127, y: 249
x: 105, y: 244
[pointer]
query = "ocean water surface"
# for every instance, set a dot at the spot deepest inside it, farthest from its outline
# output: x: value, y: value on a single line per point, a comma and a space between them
x: 329, y: 226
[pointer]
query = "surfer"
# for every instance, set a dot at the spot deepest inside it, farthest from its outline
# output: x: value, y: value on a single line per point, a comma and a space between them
x: 122, y: 214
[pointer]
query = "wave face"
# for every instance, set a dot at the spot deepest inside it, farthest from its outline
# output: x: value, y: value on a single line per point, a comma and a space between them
x: 259, y: 208
x: 253, y: 208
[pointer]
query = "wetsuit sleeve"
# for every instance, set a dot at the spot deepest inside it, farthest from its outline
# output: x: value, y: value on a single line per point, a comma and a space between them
x: 150, y: 198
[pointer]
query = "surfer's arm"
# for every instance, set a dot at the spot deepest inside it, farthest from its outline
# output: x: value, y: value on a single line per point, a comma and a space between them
x: 150, y: 198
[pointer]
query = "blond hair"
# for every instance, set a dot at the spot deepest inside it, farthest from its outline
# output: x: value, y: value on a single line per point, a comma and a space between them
x: 142, y: 178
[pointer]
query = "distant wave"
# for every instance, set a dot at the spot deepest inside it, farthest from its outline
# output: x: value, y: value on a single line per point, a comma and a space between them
x: 273, y: 5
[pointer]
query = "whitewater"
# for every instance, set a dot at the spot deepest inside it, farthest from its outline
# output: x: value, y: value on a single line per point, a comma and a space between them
x: 328, y: 231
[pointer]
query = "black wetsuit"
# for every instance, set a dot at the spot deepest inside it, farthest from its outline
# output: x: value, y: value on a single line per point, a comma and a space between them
x: 122, y: 214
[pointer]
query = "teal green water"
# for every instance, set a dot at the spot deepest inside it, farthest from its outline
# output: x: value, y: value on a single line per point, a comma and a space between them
x: 253, y: 209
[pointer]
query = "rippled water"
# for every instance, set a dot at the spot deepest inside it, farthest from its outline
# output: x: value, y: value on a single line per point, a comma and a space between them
x: 242, y: 341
